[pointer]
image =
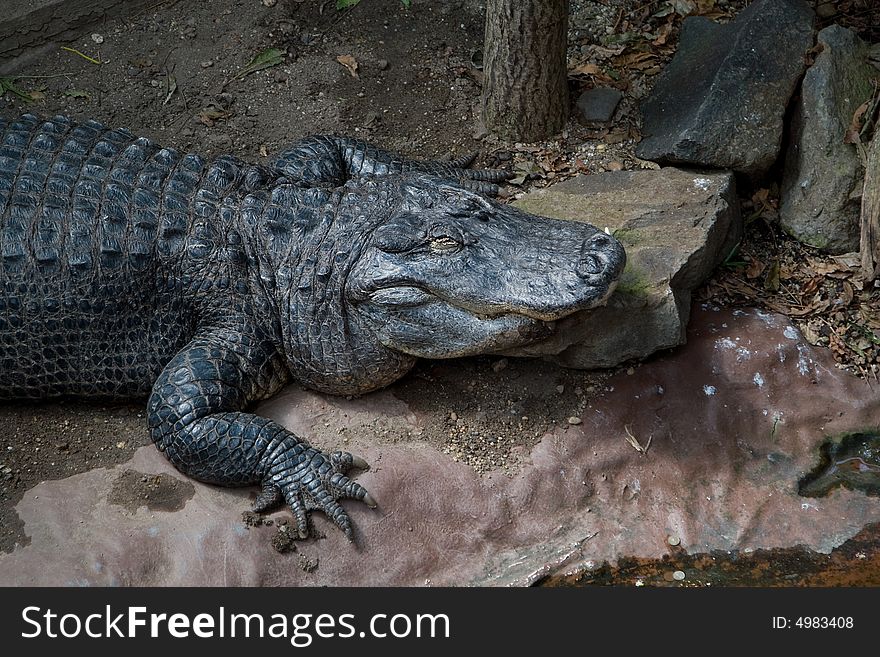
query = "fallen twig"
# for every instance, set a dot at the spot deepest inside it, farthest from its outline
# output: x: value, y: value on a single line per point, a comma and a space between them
x: 83, y: 55
x: 632, y: 440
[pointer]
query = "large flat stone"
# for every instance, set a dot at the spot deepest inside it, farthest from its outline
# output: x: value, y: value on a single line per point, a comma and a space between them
x: 722, y: 99
x: 822, y: 183
x: 734, y: 420
x: 676, y: 227
x: 29, y: 23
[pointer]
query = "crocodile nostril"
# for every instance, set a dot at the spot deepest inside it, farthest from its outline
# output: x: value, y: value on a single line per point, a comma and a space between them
x: 591, y: 262
x: 598, y: 241
x: 590, y: 265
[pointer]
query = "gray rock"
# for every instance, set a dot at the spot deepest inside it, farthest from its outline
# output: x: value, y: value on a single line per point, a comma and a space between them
x: 822, y: 183
x: 722, y: 99
x: 598, y: 104
x: 676, y: 226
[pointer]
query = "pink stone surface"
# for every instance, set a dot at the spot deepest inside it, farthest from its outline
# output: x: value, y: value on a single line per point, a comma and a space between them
x: 734, y: 419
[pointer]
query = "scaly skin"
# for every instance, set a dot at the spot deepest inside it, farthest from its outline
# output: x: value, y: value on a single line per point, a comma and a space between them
x: 128, y: 270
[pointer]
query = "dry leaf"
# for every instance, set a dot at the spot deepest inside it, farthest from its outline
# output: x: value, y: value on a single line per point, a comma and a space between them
x: 771, y: 283
x: 818, y: 306
x: 210, y: 115
x: 824, y: 268
x: 809, y: 288
x: 603, y: 52
x: 810, y: 334
x: 349, y: 63
x: 851, y: 260
x: 683, y: 7
x: 632, y: 440
x: 855, y: 126
x: 663, y: 34
x: 638, y: 60
x: 870, y: 316
x: 763, y: 202
x: 755, y: 268
x: 616, y: 137
x: 586, y: 69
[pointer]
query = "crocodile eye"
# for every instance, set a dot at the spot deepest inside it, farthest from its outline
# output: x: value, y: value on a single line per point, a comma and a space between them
x: 444, y: 244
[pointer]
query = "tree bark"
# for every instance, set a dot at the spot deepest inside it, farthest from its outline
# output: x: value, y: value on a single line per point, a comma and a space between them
x: 870, y: 219
x: 525, y: 88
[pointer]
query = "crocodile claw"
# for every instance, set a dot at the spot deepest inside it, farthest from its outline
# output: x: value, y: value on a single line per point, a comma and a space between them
x: 484, y: 181
x: 311, y: 480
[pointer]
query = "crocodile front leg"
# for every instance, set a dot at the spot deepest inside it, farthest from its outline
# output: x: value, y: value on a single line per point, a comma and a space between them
x: 195, y: 418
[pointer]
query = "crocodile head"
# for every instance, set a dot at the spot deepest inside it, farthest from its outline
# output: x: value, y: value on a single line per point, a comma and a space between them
x: 450, y: 273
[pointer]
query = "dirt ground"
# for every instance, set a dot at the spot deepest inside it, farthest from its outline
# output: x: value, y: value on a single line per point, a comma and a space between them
x: 169, y: 74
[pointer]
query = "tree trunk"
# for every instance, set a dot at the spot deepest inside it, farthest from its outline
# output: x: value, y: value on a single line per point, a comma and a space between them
x: 870, y: 243
x: 525, y: 91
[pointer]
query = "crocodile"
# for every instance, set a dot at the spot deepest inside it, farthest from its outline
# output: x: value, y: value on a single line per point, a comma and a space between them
x: 128, y: 270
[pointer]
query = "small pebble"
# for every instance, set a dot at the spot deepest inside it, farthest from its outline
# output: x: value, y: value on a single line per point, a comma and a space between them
x: 382, y: 64
x: 499, y: 365
x: 97, y: 38
x: 560, y: 389
x: 673, y: 540
x: 270, y: 3
x: 208, y: 63
x: 574, y: 420
x: 678, y: 575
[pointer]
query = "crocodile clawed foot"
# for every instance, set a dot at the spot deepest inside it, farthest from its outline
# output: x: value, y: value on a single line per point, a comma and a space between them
x: 314, y: 480
x: 484, y: 181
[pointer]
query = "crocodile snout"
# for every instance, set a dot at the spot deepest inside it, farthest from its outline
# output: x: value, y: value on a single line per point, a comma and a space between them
x: 598, y: 254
